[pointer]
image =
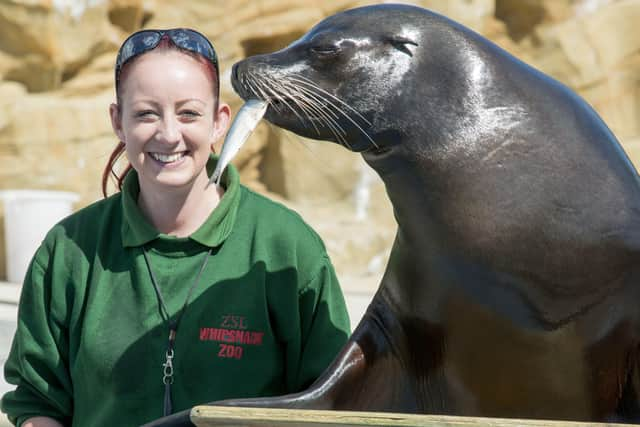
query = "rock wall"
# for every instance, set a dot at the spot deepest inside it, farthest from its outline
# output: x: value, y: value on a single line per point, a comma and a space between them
x: 56, y: 71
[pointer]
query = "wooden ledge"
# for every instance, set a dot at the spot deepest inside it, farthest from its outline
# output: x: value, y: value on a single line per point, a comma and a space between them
x: 220, y: 416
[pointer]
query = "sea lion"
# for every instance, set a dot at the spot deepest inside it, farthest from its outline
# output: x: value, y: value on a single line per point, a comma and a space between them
x: 513, y: 284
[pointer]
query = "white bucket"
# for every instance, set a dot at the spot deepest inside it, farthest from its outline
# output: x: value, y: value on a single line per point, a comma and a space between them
x: 28, y: 216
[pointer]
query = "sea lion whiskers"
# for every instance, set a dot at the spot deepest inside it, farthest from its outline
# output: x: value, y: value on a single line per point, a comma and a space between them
x: 259, y: 91
x: 304, y: 80
x: 269, y: 95
x: 272, y: 90
x: 272, y: 85
x: 323, y: 113
x: 256, y: 90
x: 312, y: 112
x: 319, y: 91
x: 321, y: 103
x: 303, y: 97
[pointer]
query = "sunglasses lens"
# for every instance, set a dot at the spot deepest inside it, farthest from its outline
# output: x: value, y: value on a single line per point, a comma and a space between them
x: 137, y: 44
x: 194, y: 42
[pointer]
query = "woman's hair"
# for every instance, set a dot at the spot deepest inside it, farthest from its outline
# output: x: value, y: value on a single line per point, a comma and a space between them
x: 164, y: 44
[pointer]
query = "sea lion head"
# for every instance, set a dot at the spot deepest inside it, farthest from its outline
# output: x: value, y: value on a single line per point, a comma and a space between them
x: 358, y: 78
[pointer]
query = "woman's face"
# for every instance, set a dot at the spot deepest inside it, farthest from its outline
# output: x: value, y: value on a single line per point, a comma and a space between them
x: 166, y: 120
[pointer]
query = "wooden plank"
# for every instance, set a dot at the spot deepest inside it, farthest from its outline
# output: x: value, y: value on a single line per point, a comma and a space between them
x: 220, y: 416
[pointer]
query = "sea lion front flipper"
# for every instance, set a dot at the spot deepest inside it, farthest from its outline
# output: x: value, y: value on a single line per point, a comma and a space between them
x: 367, y: 362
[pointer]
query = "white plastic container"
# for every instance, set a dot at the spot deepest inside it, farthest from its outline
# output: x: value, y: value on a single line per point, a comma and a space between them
x: 28, y: 215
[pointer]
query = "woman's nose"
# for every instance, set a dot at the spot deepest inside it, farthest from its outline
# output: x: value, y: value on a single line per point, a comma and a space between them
x: 169, y: 131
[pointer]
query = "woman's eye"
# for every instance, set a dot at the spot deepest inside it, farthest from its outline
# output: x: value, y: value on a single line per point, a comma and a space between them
x: 190, y: 114
x: 145, y: 114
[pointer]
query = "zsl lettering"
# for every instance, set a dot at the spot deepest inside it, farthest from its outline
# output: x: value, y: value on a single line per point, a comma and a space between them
x: 230, y: 321
x: 230, y: 351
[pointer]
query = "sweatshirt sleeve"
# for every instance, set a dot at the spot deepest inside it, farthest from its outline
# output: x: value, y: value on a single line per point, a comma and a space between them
x: 38, y: 361
x: 324, y: 325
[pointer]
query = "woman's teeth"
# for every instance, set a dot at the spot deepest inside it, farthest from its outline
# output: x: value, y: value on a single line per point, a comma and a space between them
x: 167, y: 158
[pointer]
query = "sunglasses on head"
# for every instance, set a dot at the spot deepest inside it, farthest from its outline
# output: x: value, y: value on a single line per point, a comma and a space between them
x: 146, y: 40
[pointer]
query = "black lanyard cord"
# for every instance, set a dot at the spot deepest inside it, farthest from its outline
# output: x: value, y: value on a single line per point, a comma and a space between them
x: 167, y: 366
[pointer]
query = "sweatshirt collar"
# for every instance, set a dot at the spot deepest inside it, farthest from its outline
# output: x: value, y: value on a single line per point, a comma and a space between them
x: 136, y: 230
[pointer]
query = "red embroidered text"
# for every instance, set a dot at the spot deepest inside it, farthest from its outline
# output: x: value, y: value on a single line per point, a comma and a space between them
x: 231, y: 336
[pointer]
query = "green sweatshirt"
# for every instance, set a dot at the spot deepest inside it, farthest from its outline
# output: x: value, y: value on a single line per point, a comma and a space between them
x: 266, y: 318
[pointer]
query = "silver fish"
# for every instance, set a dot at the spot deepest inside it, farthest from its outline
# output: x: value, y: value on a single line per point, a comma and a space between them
x: 243, y: 125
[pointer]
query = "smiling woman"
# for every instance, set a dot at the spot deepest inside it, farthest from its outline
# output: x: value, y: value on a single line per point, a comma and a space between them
x: 200, y: 54
x: 171, y: 292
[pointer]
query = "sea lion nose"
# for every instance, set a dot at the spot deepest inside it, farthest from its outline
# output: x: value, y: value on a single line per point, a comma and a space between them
x: 234, y: 72
x: 237, y: 82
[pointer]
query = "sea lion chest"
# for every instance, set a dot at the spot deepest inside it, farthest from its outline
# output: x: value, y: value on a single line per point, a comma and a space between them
x: 468, y: 358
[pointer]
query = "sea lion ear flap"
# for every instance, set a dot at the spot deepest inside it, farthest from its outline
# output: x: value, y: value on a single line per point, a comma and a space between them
x: 401, y: 43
